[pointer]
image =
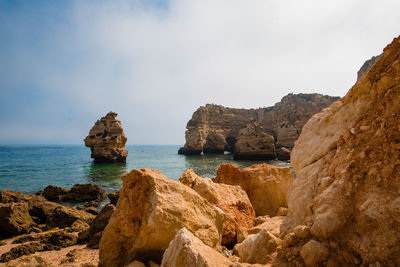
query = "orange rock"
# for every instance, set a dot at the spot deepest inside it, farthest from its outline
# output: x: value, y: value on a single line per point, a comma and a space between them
x: 232, y: 200
x: 266, y: 185
x: 151, y: 209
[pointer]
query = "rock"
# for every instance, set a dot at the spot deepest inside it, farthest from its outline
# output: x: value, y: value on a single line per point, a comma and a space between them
x: 87, y: 192
x: 91, y: 210
x: 136, y: 264
x: 258, y: 248
x: 107, y: 140
x: 95, y: 231
x: 218, y: 126
x: 313, y: 253
x: 61, y: 239
x: 151, y: 209
x: 232, y: 200
x: 367, y: 65
x: 187, y: 250
x: 113, y: 197
x: 21, y: 250
x: 253, y: 143
x: 15, y: 219
x: 283, y: 153
x: 55, y: 193
x: 65, y: 217
x: 282, y: 211
x: 347, y: 163
x: 28, y: 261
x: 271, y: 225
x: 302, y: 231
x: 266, y: 185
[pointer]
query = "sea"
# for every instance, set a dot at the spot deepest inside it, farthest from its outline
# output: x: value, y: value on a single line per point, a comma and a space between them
x: 30, y: 168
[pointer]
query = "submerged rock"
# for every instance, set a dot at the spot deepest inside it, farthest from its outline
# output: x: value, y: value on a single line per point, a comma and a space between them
x: 347, y: 166
x: 232, y: 200
x: 187, y: 250
x: 107, y: 140
x: 253, y: 143
x: 151, y: 209
x: 266, y: 185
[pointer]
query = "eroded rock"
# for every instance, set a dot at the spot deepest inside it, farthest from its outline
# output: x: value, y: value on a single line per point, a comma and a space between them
x: 232, y: 200
x: 107, y: 140
x: 15, y: 219
x: 151, y: 209
x: 266, y: 185
x: 188, y: 250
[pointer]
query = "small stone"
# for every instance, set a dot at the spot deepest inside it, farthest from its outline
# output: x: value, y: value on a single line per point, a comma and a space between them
x: 313, y: 253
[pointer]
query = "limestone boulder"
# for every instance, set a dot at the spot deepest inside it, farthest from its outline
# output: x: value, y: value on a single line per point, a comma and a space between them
x: 258, y: 248
x: 232, y: 200
x: 272, y: 225
x: 63, y: 217
x: 87, y: 192
x: 151, y: 209
x: 55, y: 193
x: 15, y: 219
x: 266, y: 185
x: 253, y: 143
x: 107, y: 140
x: 347, y: 165
x: 187, y: 250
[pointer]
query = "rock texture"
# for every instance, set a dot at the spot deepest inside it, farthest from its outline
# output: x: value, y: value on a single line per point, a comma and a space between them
x: 213, y: 127
x: 272, y: 225
x: 367, y: 65
x: 15, y: 219
x: 78, y: 193
x: 347, y: 165
x: 188, y: 250
x: 232, y: 200
x: 151, y: 209
x: 266, y: 185
x: 253, y: 143
x: 107, y: 140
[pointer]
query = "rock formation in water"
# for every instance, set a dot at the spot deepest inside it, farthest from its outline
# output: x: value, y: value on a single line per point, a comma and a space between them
x: 348, y: 168
x: 107, y: 140
x: 266, y: 185
x: 367, y: 65
x: 252, y: 142
x: 214, y: 128
x: 151, y: 209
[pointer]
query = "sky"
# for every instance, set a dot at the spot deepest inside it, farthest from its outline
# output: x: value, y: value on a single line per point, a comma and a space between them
x: 65, y: 64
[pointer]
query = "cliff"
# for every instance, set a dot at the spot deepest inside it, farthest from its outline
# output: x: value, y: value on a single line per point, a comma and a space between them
x: 367, y: 64
x: 284, y: 122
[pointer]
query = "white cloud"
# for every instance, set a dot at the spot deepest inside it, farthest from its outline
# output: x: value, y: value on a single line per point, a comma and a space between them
x: 156, y: 66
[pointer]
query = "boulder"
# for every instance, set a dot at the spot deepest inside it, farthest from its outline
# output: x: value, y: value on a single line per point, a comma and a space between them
x: 107, y: 140
x: 151, y: 209
x: 347, y: 165
x: 28, y: 261
x: 266, y: 185
x: 187, y: 250
x: 97, y: 226
x: 15, y: 219
x: 113, y: 197
x: 64, y: 217
x: 55, y: 193
x: 232, y: 200
x: 258, y: 248
x: 313, y: 253
x: 271, y: 225
x: 87, y: 192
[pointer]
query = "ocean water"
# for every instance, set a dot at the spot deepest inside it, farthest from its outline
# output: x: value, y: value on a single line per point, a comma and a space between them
x: 29, y: 169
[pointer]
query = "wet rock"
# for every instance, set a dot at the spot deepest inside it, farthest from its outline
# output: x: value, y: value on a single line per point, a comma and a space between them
x: 107, y: 140
x: 15, y: 219
x: 266, y: 185
x: 232, y: 200
x: 87, y: 192
x: 55, y: 193
x: 95, y: 231
x: 151, y: 210
x: 188, y: 250
x: 253, y: 143
x: 113, y: 197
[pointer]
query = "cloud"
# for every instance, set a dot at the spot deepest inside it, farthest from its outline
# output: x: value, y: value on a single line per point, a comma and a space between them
x: 155, y: 63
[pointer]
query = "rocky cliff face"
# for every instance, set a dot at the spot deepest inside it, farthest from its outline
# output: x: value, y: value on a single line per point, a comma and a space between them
x: 348, y: 168
x: 367, y: 64
x: 213, y: 127
x: 107, y: 140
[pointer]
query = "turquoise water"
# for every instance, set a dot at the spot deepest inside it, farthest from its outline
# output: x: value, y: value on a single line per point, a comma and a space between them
x: 29, y: 169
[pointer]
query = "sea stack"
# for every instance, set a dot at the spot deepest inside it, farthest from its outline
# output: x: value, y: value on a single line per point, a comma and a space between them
x: 107, y: 140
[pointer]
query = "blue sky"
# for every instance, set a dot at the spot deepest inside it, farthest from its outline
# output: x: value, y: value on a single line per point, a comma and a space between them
x: 64, y: 64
